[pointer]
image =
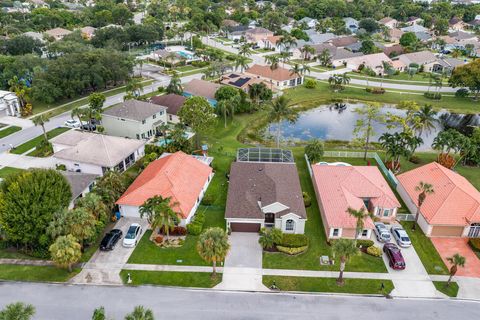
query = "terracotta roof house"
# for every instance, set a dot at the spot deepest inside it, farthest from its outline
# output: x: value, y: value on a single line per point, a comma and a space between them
x: 256, y: 35
x: 270, y: 42
x: 95, y: 153
x: 240, y: 81
x: 453, y: 210
x: 80, y: 184
x: 173, y: 103
x: 180, y: 176
x: 58, y: 33
x: 279, y: 78
x: 265, y: 194
x: 394, y: 34
x: 341, y: 187
x: 388, y: 22
x: 202, y: 88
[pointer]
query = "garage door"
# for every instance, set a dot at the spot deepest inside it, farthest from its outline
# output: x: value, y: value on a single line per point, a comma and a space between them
x: 446, y: 231
x: 245, y: 227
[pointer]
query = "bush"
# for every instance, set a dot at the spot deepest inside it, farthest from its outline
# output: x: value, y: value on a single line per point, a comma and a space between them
x: 314, y: 150
x: 475, y: 243
x: 178, y: 231
x: 199, y: 218
x: 292, y: 251
x: 462, y: 93
x: 433, y: 95
x: 415, y: 159
x: 365, y: 243
x: 310, y: 84
x: 294, y: 240
x: 375, y: 90
x: 446, y: 160
x: 200, y: 64
x: 307, y: 201
x: 208, y: 199
x: 159, y: 239
x: 194, y: 228
x: 374, y: 251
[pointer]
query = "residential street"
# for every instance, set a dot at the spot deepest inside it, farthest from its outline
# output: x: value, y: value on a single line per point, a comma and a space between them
x: 74, y: 302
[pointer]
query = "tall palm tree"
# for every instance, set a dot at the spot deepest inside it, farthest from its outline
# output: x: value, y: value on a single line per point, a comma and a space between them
x: 272, y: 60
x: 79, y: 113
x: 425, y: 189
x: 17, y: 311
x: 175, y: 85
x: 344, y: 249
x: 325, y: 58
x: 245, y: 50
x: 135, y: 86
x: 456, y: 261
x: 307, y: 51
x: 213, y: 246
x: 226, y: 108
x: 285, y: 57
x: 360, y: 217
x: 345, y: 79
x: 41, y: 120
x: 140, y: 313
x: 296, y: 69
x: 242, y: 62
x: 425, y: 120
x: 171, y: 57
x: 305, y: 69
x: 279, y: 111
x: 159, y: 213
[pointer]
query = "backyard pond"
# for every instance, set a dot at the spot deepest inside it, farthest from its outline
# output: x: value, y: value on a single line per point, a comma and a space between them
x: 328, y: 122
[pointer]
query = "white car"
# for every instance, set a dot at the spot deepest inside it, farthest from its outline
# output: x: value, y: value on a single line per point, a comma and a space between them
x: 381, y: 232
x: 401, y: 236
x: 72, y: 123
x: 133, y: 235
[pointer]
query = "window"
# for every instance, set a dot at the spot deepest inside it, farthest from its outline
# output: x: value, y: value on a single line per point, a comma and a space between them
x: 336, y: 232
x: 143, y: 121
x: 154, y: 116
x: 138, y: 136
x: 289, y: 225
x: 365, y: 233
x: 161, y: 113
x: 171, y: 118
x: 386, y: 212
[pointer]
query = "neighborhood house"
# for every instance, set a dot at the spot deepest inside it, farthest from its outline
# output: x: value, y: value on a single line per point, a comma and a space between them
x: 80, y: 184
x: 173, y: 103
x: 279, y: 78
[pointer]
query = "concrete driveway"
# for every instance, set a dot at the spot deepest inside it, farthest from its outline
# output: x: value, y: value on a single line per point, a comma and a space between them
x: 104, y: 266
x: 243, y: 265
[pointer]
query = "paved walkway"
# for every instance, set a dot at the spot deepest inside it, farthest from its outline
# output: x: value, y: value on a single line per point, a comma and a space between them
x: 26, y: 262
x: 243, y: 265
x: 447, y: 247
x: 16, y: 121
x: 25, y: 162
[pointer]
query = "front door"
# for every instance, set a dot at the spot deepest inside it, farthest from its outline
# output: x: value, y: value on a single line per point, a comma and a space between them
x: 474, y: 231
x: 269, y: 219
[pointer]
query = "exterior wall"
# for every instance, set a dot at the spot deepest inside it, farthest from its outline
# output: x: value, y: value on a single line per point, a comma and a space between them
x: 411, y: 205
x: 447, y: 231
x: 121, y: 127
x: 184, y: 222
x: 348, y: 233
x: 424, y: 225
x: 80, y: 167
x: 280, y: 85
x: 230, y: 220
x: 299, y: 224
x: 171, y: 118
x: 129, y: 211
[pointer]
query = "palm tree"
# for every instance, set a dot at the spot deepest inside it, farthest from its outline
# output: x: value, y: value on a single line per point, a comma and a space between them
x: 424, y: 120
x: 425, y: 189
x: 325, y: 58
x: 65, y: 251
x: 140, y: 313
x: 99, y: 314
x: 345, y: 79
x: 226, y: 108
x: 305, y: 69
x: 307, y: 51
x: 456, y: 261
x: 344, y: 249
x: 285, y: 57
x: 213, y: 246
x: 280, y: 111
x: 272, y: 60
x: 17, y: 311
x: 20, y: 88
x: 134, y: 86
x: 40, y: 120
x: 159, y: 213
x: 245, y: 50
x: 93, y: 204
x: 171, y: 57
x: 360, y: 217
x: 110, y: 187
x: 79, y: 113
x: 175, y: 85
x: 296, y: 69
x: 242, y: 62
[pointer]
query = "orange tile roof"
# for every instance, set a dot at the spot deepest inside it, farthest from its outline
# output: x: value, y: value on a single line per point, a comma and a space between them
x: 274, y: 39
x: 455, y: 200
x: 279, y: 74
x: 341, y: 187
x: 177, y: 175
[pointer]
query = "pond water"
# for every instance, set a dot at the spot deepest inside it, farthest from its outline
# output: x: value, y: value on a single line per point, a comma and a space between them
x: 328, y: 123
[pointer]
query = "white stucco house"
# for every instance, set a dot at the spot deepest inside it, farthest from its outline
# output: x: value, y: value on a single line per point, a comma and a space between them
x: 9, y: 104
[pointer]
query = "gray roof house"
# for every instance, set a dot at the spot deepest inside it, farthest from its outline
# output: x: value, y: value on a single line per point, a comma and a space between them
x: 414, y: 28
x: 134, y: 119
x: 80, y: 184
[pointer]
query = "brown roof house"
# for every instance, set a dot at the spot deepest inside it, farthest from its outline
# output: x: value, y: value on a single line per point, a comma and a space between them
x: 58, y: 33
x: 343, y: 41
x: 173, y: 103
x: 263, y: 193
x: 202, y: 88
x: 279, y: 78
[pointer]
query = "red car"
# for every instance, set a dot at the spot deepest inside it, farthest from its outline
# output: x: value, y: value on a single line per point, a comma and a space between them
x: 394, y: 256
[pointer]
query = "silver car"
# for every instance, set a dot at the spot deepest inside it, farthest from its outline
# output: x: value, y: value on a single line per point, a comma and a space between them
x: 401, y: 236
x: 382, y: 233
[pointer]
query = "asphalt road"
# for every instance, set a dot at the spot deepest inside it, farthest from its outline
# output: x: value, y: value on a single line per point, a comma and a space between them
x: 74, y: 302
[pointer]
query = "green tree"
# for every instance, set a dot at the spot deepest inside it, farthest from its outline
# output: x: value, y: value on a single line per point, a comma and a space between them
x: 175, y: 85
x: 27, y: 202
x: 99, y: 314
x: 241, y: 62
x: 369, y: 25
x: 20, y: 88
x: 95, y: 106
x: 213, y: 246
x: 269, y: 237
x: 199, y: 115
x: 259, y: 93
x: 456, y: 261
x: 93, y: 203
x: 135, y: 87
x: 368, y: 47
x: 226, y: 93
x: 314, y: 150
x: 140, y: 313
x: 280, y: 111
x: 273, y: 61
x: 424, y: 190
x: 325, y: 58
x: 82, y: 225
x: 409, y: 40
x: 344, y: 249
x: 360, y: 216
x: 226, y: 108
x: 65, y: 251
x: 368, y: 116
x: 41, y: 120
x: 79, y: 113
x: 17, y: 311
x: 110, y: 187
x: 159, y: 213
x: 467, y: 76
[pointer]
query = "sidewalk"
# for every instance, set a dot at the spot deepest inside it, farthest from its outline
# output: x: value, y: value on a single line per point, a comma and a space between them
x: 25, y: 162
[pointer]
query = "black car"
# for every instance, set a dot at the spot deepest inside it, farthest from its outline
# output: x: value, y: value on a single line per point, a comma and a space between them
x: 89, y: 127
x: 110, y: 240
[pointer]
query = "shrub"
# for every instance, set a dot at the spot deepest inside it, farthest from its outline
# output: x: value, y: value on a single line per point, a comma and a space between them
x: 462, y: 93
x: 178, y: 231
x: 374, y: 251
x: 159, y: 239
x: 365, y: 243
x: 375, y: 90
x: 307, y: 201
x: 475, y: 243
x: 314, y: 150
x: 161, y: 89
x: 61, y: 167
x: 433, y: 95
x: 310, y: 84
x: 292, y: 251
x: 446, y: 160
x: 194, y: 228
x: 294, y: 240
x: 208, y: 199
x: 415, y: 159
x: 199, y: 218
x: 200, y: 64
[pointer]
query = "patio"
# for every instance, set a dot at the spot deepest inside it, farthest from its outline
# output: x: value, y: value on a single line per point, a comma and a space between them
x: 447, y: 247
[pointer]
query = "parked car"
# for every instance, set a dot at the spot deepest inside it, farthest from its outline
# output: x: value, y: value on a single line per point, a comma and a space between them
x: 110, y: 240
x: 133, y: 235
x: 89, y: 127
x: 72, y: 123
x: 394, y: 255
x: 382, y: 233
x: 401, y: 236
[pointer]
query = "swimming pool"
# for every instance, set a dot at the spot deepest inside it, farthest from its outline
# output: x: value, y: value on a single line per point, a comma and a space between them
x: 186, y: 54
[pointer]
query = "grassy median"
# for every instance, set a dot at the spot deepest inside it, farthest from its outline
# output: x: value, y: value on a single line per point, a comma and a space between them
x: 172, y: 278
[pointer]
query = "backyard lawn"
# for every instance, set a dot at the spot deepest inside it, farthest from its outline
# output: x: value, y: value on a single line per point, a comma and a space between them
x: 450, y: 291
x: 5, y: 171
x: 8, y: 131
x: 35, y: 273
x: 24, y: 147
x: 170, y: 278
x: 360, y: 286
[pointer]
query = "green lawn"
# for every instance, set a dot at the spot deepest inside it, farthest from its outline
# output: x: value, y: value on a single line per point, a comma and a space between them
x: 12, y: 253
x: 167, y: 278
x: 35, y: 273
x: 450, y: 291
x: 35, y: 141
x: 402, y: 77
x: 360, y: 286
x: 8, y: 131
x: 322, y: 94
x: 5, y: 171
x: 425, y: 249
